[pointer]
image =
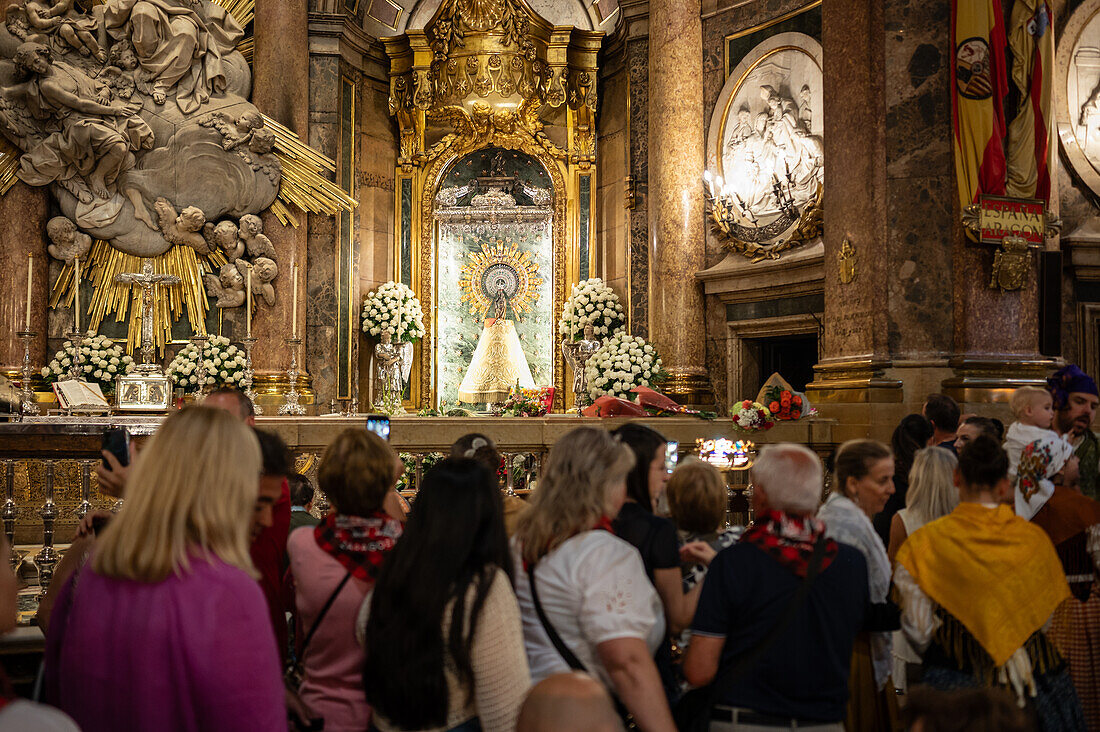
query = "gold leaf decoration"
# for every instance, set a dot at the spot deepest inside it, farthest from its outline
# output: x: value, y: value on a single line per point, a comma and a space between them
x: 304, y: 184
x: 505, y: 262
x: 243, y: 11
x: 9, y: 164
x: 110, y: 298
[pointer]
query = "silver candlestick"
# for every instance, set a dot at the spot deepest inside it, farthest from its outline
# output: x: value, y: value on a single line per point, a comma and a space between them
x: 26, y: 393
x: 291, y: 405
x: 199, y: 341
x: 47, y: 557
x: 246, y: 380
x: 85, y: 489
x: 76, y: 372
x: 9, y: 512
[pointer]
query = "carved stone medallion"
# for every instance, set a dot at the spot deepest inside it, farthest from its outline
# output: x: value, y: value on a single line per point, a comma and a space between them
x: 765, y: 142
x: 1077, y: 93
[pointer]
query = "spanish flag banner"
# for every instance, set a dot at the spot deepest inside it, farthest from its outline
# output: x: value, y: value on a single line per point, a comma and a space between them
x: 1031, y: 38
x: 978, y: 86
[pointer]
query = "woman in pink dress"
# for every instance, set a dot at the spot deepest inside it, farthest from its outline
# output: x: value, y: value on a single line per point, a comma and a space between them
x: 334, y: 565
x: 165, y: 627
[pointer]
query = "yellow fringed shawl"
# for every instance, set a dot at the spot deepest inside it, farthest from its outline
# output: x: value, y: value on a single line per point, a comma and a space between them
x: 994, y: 572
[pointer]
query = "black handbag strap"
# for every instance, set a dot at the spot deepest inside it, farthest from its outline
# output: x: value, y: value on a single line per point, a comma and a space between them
x: 570, y: 658
x: 747, y: 660
x: 321, y: 615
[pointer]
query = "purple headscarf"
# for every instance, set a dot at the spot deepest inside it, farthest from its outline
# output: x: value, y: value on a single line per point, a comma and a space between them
x: 1067, y: 380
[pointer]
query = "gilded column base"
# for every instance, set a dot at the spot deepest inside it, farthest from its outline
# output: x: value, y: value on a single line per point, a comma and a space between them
x: 271, y: 388
x: 689, y: 388
x: 858, y: 381
x: 985, y: 379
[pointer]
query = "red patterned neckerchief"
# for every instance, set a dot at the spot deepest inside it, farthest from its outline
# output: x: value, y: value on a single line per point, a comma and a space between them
x: 359, y: 542
x: 789, y: 539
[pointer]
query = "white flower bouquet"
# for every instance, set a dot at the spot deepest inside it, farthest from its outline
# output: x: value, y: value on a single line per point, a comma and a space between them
x: 394, y: 307
x: 620, y: 364
x: 101, y: 360
x: 224, y: 364
x: 593, y: 302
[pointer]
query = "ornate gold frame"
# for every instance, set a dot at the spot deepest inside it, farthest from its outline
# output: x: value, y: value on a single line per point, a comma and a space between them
x: 472, y: 79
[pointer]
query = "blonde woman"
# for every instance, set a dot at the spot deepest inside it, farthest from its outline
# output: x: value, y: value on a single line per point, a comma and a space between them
x: 166, y: 627
x: 932, y: 494
x: 580, y: 585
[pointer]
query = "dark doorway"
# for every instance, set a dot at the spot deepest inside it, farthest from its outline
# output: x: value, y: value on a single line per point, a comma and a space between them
x: 792, y: 356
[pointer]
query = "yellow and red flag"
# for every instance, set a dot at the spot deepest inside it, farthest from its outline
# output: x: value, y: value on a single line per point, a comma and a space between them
x: 978, y: 87
x: 1031, y: 38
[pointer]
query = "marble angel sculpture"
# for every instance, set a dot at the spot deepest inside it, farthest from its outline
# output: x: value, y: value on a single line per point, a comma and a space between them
x: 264, y: 270
x: 69, y: 242
x: 252, y: 235
x: 186, y: 229
x: 223, y: 236
x: 228, y: 285
x: 76, y: 29
x: 75, y: 133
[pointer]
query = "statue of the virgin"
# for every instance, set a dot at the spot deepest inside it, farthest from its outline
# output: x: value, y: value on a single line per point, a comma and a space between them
x: 498, y: 364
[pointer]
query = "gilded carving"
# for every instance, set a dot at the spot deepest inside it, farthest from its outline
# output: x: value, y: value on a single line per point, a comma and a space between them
x: 847, y: 260
x: 1011, y: 264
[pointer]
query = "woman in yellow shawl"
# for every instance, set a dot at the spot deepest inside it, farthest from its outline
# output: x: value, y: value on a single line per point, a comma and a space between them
x: 977, y: 588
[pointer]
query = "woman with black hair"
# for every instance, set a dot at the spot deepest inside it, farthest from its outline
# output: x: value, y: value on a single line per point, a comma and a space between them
x: 423, y: 670
x: 913, y: 434
x: 653, y: 536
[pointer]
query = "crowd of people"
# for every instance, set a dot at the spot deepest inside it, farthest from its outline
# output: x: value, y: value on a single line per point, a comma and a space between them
x: 947, y: 581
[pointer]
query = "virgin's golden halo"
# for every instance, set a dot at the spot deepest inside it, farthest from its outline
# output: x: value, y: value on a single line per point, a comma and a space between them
x: 499, y: 255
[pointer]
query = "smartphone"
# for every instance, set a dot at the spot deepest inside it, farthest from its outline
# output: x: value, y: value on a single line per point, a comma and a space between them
x: 379, y: 424
x: 116, y: 440
x: 671, y: 456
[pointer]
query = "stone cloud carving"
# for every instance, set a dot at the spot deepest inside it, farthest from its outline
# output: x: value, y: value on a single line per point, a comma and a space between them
x: 136, y: 114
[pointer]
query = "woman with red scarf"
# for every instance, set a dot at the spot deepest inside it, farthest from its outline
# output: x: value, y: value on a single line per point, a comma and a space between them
x: 586, y: 602
x: 334, y: 566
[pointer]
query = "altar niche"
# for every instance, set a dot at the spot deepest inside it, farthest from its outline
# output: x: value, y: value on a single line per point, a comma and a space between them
x: 494, y: 303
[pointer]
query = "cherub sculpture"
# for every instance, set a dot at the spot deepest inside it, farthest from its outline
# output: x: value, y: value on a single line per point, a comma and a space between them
x: 244, y: 127
x: 224, y: 236
x: 264, y: 270
x: 251, y: 233
x: 75, y: 28
x: 119, y: 72
x: 184, y: 229
x: 228, y: 285
x: 69, y: 242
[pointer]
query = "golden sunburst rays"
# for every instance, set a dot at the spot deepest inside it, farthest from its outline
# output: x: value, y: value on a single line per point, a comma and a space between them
x: 123, y: 301
x: 9, y: 165
x: 304, y: 184
x: 500, y: 261
x: 243, y: 11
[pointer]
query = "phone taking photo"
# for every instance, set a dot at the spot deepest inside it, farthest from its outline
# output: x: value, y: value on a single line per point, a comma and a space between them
x: 672, y: 456
x: 379, y: 424
x: 116, y: 440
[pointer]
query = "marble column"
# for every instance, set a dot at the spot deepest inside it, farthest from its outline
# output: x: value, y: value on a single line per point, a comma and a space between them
x: 24, y: 211
x: 280, y: 89
x: 676, y: 215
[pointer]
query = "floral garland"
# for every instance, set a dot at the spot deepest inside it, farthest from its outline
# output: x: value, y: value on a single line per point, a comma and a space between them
x: 593, y: 302
x: 393, y: 307
x: 522, y: 403
x: 101, y: 359
x: 620, y: 364
x: 225, y: 365
x: 752, y: 416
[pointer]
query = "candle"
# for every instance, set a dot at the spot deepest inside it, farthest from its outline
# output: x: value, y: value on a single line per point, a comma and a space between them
x: 30, y: 281
x: 76, y: 295
x: 294, y: 306
x: 248, y: 305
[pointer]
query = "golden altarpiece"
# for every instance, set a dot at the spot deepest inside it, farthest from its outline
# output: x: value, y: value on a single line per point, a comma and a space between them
x: 495, y: 105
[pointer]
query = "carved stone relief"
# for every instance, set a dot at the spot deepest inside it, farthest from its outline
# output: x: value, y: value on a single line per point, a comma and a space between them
x: 1077, y: 93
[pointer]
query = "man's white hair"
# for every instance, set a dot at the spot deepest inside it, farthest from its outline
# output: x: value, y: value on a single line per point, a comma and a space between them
x: 790, y: 476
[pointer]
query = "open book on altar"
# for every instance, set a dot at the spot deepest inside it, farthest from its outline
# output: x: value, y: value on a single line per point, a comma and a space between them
x: 80, y: 395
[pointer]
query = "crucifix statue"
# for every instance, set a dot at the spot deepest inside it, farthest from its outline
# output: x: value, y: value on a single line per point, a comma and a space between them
x: 148, y: 280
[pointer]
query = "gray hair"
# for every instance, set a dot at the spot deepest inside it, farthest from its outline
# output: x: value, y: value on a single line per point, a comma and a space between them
x: 790, y: 476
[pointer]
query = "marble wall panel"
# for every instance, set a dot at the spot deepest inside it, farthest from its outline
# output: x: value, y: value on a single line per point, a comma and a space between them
x: 637, y: 63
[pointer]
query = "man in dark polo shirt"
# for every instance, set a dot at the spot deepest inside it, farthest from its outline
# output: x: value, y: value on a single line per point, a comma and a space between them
x: 801, y: 680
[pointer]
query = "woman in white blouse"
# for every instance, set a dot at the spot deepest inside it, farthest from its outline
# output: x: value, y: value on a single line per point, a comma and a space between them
x: 590, y: 585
